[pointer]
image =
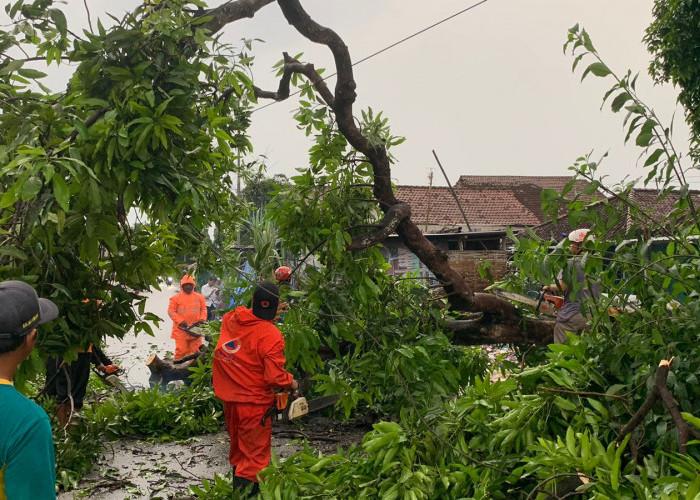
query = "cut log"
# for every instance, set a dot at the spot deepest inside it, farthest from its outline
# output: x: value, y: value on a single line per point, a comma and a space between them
x: 169, y: 369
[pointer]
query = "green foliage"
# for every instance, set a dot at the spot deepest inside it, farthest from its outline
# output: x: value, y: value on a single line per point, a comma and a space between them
x: 260, y: 190
x: 77, y: 451
x: 550, y: 428
x: 149, y: 127
x: 674, y: 40
x: 169, y: 415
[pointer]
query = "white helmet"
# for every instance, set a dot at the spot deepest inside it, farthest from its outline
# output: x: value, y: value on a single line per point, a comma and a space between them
x: 578, y: 235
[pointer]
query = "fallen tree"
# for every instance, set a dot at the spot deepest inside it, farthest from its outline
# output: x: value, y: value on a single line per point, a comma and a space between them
x: 500, y: 321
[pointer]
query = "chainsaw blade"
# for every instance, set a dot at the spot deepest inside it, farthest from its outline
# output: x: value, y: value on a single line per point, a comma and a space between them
x: 324, y: 402
x: 300, y: 406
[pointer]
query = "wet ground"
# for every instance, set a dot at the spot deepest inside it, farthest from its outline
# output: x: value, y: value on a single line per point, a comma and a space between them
x: 138, y: 469
x: 132, y: 352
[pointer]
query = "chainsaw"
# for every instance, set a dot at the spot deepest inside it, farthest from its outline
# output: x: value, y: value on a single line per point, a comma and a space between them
x: 285, y: 408
x: 112, y: 379
x: 197, y: 330
x: 545, y: 303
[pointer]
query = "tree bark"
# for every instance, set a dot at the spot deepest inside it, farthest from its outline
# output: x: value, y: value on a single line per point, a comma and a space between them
x: 660, y: 391
x: 528, y: 331
x: 230, y: 12
x: 168, y: 369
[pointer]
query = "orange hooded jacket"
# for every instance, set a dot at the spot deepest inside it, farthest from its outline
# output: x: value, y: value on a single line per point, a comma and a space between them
x: 249, y: 359
x: 189, y: 307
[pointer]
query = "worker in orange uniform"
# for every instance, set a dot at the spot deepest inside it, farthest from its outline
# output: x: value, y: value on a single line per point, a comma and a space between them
x: 248, y: 364
x: 186, y: 309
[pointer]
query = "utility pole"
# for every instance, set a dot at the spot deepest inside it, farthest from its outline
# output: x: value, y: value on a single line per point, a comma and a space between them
x: 430, y: 187
x: 454, y: 195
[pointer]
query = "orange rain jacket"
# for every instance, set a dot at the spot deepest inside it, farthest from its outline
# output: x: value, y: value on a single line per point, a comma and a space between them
x: 249, y: 359
x: 186, y: 307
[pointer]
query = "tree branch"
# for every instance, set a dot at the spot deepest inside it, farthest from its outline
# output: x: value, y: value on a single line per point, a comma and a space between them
x: 230, y: 12
x: 434, y: 258
x: 89, y: 122
x: 660, y: 391
x: 486, y: 331
x: 391, y: 220
x: 291, y: 66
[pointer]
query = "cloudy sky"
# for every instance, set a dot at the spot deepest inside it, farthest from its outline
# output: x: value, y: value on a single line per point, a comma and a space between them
x: 490, y: 90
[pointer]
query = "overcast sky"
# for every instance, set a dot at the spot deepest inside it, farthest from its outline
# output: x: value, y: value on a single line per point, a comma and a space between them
x: 490, y: 90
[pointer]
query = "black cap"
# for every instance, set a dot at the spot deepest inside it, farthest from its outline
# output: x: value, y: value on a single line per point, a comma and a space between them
x: 21, y: 310
x: 265, y: 300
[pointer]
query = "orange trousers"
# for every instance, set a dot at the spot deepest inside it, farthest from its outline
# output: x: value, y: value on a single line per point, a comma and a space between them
x: 250, y: 446
x: 183, y: 347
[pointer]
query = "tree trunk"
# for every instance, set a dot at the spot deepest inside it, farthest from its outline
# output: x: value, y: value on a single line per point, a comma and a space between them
x: 501, y: 321
x: 169, y: 369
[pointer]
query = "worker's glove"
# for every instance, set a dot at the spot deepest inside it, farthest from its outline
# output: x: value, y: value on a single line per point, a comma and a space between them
x: 109, y: 369
x: 183, y: 325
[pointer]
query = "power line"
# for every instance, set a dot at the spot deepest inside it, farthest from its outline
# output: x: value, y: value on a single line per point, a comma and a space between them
x: 298, y: 91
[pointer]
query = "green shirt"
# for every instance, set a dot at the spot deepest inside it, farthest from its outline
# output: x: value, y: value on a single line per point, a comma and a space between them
x: 27, y: 467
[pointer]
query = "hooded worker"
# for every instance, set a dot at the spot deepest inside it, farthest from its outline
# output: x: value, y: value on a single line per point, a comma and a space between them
x: 248, y: 364
x: 186, y: 309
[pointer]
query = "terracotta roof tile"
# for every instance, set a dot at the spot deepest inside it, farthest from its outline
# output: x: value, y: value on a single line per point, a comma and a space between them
x: 653, y: 211
x: 499, y: 181
x: 484, y: 207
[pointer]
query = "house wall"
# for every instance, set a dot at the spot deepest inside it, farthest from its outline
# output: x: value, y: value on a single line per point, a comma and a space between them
x: 467, y: 264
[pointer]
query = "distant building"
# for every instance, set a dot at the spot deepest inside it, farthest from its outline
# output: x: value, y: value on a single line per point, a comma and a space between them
x: 628, y: 223
x: 490, y: 203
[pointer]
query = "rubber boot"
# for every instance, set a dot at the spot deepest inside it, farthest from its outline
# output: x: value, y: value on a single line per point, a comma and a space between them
x: 245, y: 486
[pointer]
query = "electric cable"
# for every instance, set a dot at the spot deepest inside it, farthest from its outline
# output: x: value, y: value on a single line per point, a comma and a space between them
x: 399, y: 42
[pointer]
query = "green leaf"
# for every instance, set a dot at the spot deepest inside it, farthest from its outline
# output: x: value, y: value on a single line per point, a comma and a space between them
x: 620, y: 101
x: 571, y: 441
x: 615, y: 471
x: 31, y: 73
x: 653, y: 157
x: 95, y: 196
x: 60, y: 20
x: 598, y: 69
x: 30, y: 188
x: 691, y: 419
x: 9, y: 198
x: 13, y: 252
x: 11, y: 67
x: 61, y: 192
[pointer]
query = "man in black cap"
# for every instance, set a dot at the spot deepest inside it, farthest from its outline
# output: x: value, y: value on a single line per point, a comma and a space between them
x: 27, y: 467
x: 248, y: 365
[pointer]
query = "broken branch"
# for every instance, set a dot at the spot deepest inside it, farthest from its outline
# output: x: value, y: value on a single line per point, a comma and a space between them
x: 660, y: 391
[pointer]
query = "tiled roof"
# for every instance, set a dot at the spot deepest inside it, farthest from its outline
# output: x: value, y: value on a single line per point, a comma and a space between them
x: 653, y: 213
x: 517, y: 206
x: 500, y: 181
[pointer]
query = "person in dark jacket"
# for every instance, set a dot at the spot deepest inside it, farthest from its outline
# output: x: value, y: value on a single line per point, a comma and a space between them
x: 68, y: 382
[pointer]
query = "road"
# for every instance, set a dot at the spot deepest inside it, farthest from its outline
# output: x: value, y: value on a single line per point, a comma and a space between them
x: 132, y: 352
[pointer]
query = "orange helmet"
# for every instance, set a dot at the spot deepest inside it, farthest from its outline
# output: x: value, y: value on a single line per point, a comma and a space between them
x: 283, y: 273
